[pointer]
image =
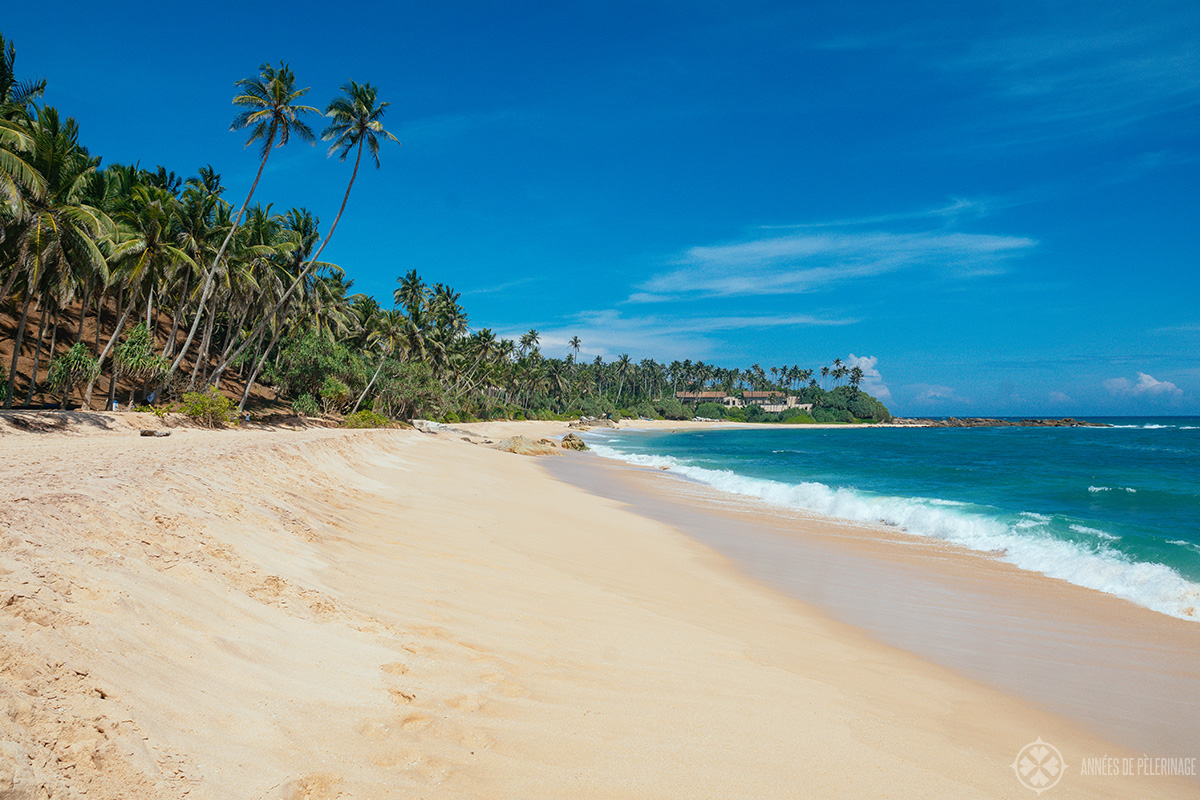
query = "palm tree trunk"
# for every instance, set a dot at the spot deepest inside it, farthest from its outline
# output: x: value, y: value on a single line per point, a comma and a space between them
x: 12, y: 372
x: 202, y: 354
x: 370, y: 383
x: 169, y: 347
x: 257, y: 367
x: 37, y: 356
x: 305, y: 270
x: 83, y: 304
x: 212, y: 271
x: 230, y: 341
x: 99, y: 317
x: 87, y: 395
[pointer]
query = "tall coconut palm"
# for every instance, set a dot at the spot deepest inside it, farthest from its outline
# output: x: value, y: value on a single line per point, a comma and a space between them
x: 272, y: 115
x: 355, y: 124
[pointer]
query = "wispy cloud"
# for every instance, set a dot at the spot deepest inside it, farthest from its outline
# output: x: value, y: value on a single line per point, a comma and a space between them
x: 807, y: 261
x: 1146, y: 386
x: 609, y: 332
x: 1098, y: 72
x: 1187, y: 327
x: 504, y: 287
x: 931, y: 394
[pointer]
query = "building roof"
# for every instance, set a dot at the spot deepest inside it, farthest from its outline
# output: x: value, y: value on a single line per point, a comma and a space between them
x: 705, y: 395
x: 762, y: 394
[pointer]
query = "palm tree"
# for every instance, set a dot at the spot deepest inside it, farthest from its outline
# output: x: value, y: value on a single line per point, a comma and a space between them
x: 529, y: 340
x: 271, y: 113
x: 624, y: 367
x: 356, y: 123
x: 388, y: 335
x: 16, y: 97
x: 411, y: 292
x: 575, y: 345
x: 59, y: 236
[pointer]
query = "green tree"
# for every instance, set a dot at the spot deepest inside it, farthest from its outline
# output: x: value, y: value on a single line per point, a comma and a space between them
x: 272, y: 115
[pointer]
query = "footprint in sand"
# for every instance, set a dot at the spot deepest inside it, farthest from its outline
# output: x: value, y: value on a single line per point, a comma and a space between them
x: 401, y: 698
x: 507, y: 687
x: 466, y: 702
x: 415, y: 722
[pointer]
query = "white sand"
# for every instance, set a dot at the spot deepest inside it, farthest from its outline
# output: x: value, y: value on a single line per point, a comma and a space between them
x: 322, y: 614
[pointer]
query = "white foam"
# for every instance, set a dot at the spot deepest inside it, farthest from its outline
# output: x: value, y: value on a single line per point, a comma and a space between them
x: 1154, y: 586
x: 1098, y: 489
x: 1094, y: 532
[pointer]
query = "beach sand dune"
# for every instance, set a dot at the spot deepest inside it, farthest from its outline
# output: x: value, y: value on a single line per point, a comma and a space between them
x: 381, y: 614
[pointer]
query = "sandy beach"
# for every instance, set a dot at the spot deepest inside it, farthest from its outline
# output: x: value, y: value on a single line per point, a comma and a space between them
x: 323, y: 613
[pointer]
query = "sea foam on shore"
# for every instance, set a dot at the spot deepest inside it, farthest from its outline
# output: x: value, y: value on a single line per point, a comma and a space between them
x: 1028, y: 540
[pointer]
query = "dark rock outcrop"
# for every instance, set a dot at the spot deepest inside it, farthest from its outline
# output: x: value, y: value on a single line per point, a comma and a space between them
x: 989, y: 422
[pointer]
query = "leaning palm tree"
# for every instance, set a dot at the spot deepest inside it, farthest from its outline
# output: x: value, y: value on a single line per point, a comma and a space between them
x: 355, y: 125
x: 272, y: 114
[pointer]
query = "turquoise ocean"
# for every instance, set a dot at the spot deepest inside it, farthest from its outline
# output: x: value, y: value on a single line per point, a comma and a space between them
x: 1115, y: 509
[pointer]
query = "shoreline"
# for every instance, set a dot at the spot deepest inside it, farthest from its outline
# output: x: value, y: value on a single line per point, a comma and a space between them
x: 373, y: 614
x: 1051, y: 642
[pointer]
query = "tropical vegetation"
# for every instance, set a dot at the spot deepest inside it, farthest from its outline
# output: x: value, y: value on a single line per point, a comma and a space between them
x: 124, y: 285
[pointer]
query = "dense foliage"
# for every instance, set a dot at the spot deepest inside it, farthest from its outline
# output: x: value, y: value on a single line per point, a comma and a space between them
x: 184, y: 294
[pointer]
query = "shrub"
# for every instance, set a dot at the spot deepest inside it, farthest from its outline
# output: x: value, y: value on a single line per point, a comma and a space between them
x: 800, y: 419
x: 136, y: 361
x: 305, y: 405
x: 450, y: 417
x: 210, y: 409
x: 366, y: 419
x: 644, y: 409
x: 671, y: 408
x: 334, y: 395
x: 72, y: 368
x: 596, y: 406
x: 711, y: 410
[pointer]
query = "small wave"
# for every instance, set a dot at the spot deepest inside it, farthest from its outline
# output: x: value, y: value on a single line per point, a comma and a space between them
x: 1182, y: 543
x: 1189, y: 427
x: 1154, y: 586
x: 1098, y: 489
x: 1094, y: 532
x: 1149, y: 427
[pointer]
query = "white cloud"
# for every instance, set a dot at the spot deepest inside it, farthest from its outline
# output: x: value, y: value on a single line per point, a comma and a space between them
x: 608, y: 333
x: 808, y: 261
x: 872, y: 382
x: 1146, y: 385
x: 930, y: 394
x: 1061, y: 398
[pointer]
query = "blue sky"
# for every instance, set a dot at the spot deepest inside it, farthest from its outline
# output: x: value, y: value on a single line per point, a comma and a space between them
x: 994, y: 206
